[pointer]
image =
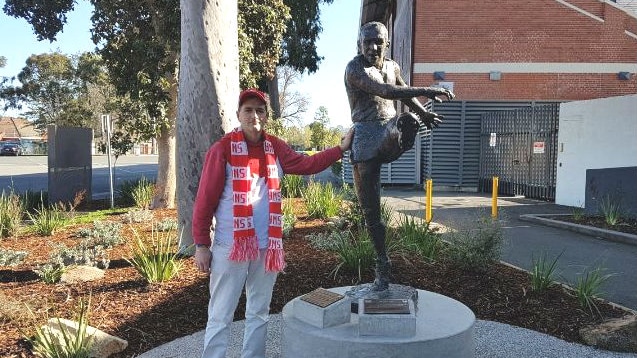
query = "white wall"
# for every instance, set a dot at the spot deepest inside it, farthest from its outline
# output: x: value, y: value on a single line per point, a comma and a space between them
x: 593, y: 134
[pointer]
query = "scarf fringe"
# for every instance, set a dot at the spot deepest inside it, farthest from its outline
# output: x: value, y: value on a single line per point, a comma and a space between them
x: 274, y: 260
x: 244, y: 249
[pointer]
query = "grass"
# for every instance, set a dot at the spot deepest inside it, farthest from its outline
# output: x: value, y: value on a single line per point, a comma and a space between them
x: 47, y: 220
x: 322, y: 200
x: 610, y: 209
x: 543, y: 272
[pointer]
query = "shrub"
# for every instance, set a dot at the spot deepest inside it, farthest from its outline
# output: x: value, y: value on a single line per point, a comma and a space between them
x: 11, y: 212
x: 86, y: 253
x: 588, y: 287
x: 292, y: 186
x: 32, y: 200
x: 157, y: 262
x: 289, y: 219
x: 328, y: 240
x: 11, y: 257
x: 136, y: 192
x: 50, y: 273
x: 355, y: 253
x: 143, y: 193
x: 70, y: 343
x: 416, y: 237
x: 322, y: 201
x: 137, y: 216
x: 47, y: 220
x: 611, y: 210
x: 477, y: 248
x: 166, y: 225
x: 104, y: 233
x: 542, y: 273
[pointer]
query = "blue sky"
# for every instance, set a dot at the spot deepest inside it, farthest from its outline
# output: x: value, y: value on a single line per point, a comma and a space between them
x: 337, y: 44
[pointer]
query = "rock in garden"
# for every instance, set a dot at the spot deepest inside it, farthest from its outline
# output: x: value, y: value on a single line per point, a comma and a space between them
x: 104, y: 345
x: 618, y: 334
x: 76, y: 274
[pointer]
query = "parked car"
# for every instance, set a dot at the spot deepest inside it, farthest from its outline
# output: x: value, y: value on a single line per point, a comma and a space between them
x: 11, y: 149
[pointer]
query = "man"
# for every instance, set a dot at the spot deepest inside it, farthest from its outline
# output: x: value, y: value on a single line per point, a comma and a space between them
x: 240, y: 189
x: 373, y: 83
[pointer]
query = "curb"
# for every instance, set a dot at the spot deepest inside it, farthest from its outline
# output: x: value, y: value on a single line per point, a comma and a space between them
x: 610, y: 235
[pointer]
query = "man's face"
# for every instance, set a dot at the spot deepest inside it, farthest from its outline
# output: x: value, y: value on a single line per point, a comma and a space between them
x: 373, y: 45
x: 252, y: 115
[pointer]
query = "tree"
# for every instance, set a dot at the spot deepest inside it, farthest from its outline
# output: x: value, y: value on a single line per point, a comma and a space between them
x: 299, y: 43
x: 293, y: 104
x: 207, y: 103
x: 55, y: 86
x: 318, y: 128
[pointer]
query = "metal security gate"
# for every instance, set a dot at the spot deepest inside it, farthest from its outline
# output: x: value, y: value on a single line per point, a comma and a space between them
x: 520, y: 148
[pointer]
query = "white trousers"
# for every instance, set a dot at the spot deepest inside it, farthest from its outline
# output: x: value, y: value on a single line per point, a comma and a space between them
x: 227, y: 279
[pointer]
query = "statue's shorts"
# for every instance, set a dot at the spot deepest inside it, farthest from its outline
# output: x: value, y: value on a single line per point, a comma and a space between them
x: 384, y: 141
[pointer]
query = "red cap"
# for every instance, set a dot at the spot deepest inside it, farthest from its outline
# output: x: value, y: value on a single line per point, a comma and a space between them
x: 252, y: 92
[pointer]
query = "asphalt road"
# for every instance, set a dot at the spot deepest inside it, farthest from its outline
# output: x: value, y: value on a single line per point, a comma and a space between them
x: 31, y: 172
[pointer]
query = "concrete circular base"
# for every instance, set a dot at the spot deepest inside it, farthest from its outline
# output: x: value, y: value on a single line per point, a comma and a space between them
x: 444, y: 328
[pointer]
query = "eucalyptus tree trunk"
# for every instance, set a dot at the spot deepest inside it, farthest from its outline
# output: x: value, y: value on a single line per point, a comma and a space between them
x: 208, y: 92
x: 166, y: 185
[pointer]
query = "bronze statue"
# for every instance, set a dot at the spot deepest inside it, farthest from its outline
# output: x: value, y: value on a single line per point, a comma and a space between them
x: 373, y: 82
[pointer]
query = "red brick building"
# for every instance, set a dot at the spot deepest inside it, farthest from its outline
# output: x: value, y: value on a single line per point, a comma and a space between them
x: 514, y: 50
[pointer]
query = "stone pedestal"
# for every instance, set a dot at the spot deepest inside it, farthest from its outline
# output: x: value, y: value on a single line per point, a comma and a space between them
x: 443, y: 328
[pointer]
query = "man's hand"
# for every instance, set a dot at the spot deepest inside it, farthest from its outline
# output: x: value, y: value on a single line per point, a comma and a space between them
x: 429, y: 119
x: 346, y: 140
x: 440, y: 92
x: 203, y: 257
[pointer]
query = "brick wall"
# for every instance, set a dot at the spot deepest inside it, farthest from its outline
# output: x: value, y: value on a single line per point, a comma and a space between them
x: 538, y: 31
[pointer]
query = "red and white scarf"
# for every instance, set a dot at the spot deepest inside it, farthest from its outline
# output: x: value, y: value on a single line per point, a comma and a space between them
x: 246, y: 246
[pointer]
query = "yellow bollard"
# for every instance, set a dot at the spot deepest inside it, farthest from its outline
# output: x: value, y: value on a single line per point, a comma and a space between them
x: 428, y: 200
x: 494, y: 198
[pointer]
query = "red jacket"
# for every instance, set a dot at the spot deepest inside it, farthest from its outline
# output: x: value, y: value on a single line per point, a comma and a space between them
x: 213, y: 175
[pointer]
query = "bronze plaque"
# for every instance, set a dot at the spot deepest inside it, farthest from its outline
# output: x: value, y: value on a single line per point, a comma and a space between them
x: 385, y: 306
x: 321, y: 297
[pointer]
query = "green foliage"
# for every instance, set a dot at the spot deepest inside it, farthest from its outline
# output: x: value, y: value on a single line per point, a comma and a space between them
x: 166, y: 225
x: 611, y: 210
x: 303, y: 29
x: 50, y: 273
x: 322, y: 200
x: 588, y: 287
x: 138, y: 216
x: 70, y: 343
x: 158, y: 260
x: 11, y: 212
x: 121, y: 143
x: 86, y: 253
x: 355, y: 254
x: 478, y: 247
x: 11, y: 257
x: 337, y: 168
x: 33, y: 200
x: 261, y: 28
x: 577, y: 212
x: 47, y: 220
x: 329, y: 240
x: 543, y: 272
x: 416, y: 237
x: 289, y: 219
x: 138, y: 192
x: 292, y: 186
x: 104, y: 233
x: 318, y: 129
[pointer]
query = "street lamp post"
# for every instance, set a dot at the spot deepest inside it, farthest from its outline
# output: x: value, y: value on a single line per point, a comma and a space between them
x: 107, y: 127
